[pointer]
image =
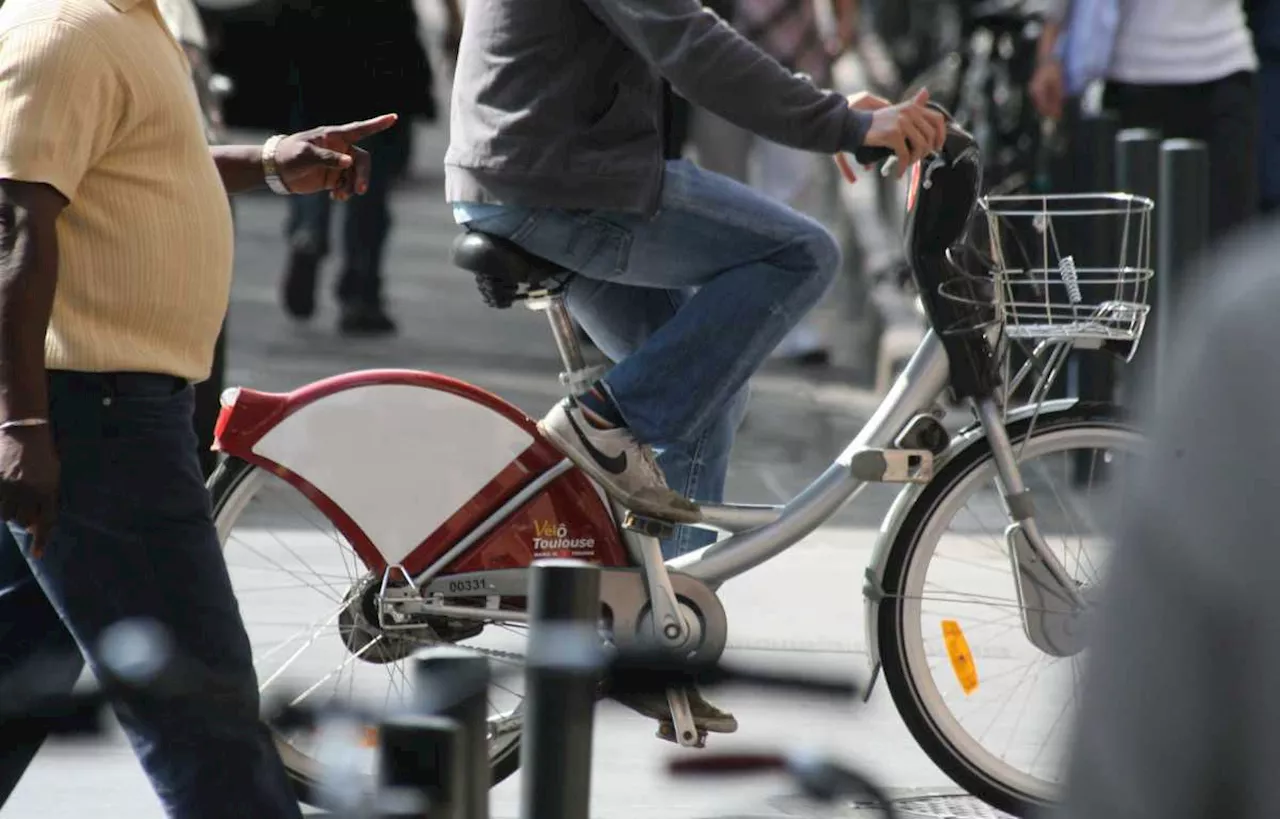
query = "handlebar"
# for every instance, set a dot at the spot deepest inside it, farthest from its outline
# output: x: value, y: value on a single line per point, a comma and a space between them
x: 885, y: 157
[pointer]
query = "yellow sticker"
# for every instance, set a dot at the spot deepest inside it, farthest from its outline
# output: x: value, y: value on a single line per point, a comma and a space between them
x: 961, y: 658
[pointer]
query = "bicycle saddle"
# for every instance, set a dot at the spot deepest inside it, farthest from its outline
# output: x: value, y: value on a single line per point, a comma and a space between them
x: 501, y: 267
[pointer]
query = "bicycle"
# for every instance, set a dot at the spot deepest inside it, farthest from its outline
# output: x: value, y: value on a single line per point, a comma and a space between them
x: 428, y: 555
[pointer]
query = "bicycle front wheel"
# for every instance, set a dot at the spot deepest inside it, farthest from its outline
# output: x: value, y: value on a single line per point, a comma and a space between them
x: 991, y: 710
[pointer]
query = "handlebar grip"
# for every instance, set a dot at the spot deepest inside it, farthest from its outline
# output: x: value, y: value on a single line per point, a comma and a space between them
x: 867, y: 155
x: 870, y: 155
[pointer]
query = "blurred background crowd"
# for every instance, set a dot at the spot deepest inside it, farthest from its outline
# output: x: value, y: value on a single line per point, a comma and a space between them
x: 268, y: 65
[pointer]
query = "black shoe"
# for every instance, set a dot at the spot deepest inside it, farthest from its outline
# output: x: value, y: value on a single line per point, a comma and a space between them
x: 365, y: 320
x: 299, y: 290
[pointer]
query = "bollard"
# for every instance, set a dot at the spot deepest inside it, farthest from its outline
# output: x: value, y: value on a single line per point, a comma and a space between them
x: 454, y: 683
x: 421, y: 771
x: 1182, y: 230
x: 560, y: 690
x: 1138, y: 172
x: 1090, y: 373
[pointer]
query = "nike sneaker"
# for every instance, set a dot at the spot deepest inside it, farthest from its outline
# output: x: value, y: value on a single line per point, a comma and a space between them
x: 623, y: 466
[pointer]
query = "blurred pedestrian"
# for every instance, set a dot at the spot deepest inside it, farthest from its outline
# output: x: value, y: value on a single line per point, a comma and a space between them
x: 1186, y: 68
x: 1178, y: 710
x: 384, y: 67
x: 115, y: 268
x: 790, y: 32
x: 1264, y: 19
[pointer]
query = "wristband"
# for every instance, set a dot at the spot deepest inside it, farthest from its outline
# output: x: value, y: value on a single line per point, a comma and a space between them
x: 18, y: 423
x: 271, y: 171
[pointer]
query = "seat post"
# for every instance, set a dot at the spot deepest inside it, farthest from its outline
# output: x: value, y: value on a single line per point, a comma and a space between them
x: 565, y: 334
x: 577, y: 376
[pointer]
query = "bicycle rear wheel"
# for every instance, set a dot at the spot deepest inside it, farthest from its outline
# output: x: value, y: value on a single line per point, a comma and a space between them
x: 308, y: 605
x: 949, y: 565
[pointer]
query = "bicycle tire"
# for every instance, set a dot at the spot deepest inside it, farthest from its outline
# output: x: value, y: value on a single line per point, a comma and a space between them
x: 223, y: 485
x: 902, y: 684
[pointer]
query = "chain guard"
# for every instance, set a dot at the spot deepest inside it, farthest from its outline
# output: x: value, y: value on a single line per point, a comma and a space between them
x: 623, y: 596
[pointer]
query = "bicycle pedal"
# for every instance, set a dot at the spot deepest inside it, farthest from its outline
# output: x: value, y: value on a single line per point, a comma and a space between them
x: 683, y: 728
x: 667, y: 731
x: 653, y: 527
x: 892, y: 465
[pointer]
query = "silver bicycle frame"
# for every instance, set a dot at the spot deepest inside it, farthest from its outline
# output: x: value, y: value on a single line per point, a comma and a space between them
x: 759, y: 533
x: 764, y: 532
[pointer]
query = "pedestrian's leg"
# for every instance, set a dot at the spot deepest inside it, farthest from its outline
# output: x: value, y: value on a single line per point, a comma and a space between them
x: 135, y: 540
x: 365, y: 230
x: 1233, y: 153
x: 619, y: 318
x: 35, y: 649
x: 308, y: 239
x: 1269, y: 134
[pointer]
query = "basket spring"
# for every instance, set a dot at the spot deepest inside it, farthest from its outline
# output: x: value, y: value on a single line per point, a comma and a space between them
x: 1067, y: 270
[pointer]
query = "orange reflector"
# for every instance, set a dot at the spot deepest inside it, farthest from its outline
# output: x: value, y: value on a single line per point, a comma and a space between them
x: 913, y: 187
x: 961, y: 658
x: 370, y: 738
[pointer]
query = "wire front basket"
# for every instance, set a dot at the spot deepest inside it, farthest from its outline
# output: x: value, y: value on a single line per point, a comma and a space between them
x: 1062, y: 267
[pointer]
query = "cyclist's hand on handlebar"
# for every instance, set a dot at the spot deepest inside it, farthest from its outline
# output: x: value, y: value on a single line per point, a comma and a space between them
x: 861, y: 101
x: 912, y: 130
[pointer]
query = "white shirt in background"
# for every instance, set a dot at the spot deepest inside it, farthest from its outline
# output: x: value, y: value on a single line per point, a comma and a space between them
x: 1183, y: 42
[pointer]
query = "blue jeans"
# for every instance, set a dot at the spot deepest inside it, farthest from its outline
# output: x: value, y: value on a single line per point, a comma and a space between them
x: 367, y: 223
x: 688, y: 302
x: 135, y: 539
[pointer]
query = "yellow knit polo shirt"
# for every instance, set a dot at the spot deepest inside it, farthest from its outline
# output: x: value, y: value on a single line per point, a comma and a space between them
x: 96, y: 100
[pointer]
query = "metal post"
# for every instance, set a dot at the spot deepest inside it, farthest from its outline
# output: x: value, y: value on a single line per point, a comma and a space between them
x: 1090, y: 375
x: 1138, y: 172
x: 454, y: 683
x: 421, y: 771
x: 1182, y: 230
x: 560, y: 690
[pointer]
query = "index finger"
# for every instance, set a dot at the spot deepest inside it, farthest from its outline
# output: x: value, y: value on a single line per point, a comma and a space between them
x: 846, y: 170
x: 939, y: 123
x: 356, y: 131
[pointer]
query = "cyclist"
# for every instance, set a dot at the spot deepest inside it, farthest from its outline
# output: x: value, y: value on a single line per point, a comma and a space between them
x: 686, y: 279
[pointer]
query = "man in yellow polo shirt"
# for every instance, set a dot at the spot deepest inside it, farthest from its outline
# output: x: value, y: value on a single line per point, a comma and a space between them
x: 115, y: 266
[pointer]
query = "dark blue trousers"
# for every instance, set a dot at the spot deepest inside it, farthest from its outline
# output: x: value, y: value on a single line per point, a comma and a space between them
x: 135, y: 539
